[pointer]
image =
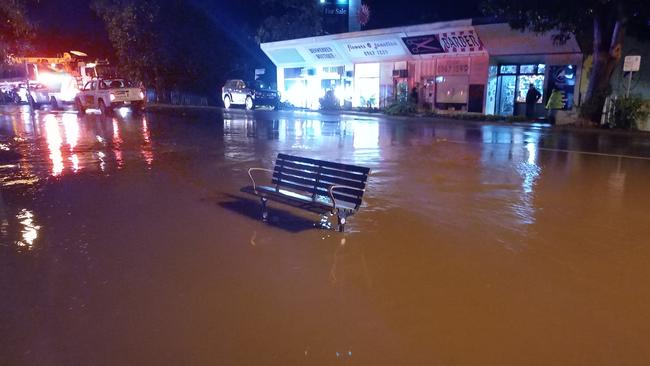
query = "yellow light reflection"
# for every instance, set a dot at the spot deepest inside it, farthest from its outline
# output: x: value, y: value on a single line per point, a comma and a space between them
x: 117, y: 144
x: 147, y: 153
x: 71, y: 127
x: 29, y: 231
x: 54, y: 142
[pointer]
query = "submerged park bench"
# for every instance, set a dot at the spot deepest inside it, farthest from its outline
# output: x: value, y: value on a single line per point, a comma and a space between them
x: 318, y: 186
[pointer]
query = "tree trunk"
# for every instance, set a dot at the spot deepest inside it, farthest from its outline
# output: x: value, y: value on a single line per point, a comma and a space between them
x: 608, y: 47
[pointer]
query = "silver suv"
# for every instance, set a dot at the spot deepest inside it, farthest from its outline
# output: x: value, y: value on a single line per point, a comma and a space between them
x: 249, y: 94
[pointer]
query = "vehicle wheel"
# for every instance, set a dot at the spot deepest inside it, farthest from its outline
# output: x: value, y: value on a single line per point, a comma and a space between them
x: 103, y: 108
x: 79, y: 106
x: 249, y: 104
x: 226, y: 102
x: 53, y: 103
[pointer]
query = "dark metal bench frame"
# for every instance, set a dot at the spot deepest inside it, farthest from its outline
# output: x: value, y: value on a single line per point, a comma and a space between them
x: 319, y: 186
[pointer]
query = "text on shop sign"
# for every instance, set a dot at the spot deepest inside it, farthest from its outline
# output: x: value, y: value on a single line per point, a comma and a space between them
x: 374, y: 48
x: 323, y: 53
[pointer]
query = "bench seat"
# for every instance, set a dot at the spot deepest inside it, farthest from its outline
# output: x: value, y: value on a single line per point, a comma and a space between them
x: 320, y: 205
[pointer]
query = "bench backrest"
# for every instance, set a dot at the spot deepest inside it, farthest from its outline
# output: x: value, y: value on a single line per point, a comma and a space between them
x: 315, y: 177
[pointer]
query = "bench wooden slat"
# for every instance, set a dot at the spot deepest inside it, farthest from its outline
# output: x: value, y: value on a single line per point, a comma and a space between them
x: 320, y: 192
x: 324, y: 171
x: 361, y: 177
x: 342, y: 182
x: 282, y: 172
x: 312, y: 186
x: 308, y: 183
x: 327, y: 164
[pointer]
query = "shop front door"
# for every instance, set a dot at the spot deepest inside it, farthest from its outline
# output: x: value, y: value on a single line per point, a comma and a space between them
x: 507, y: 85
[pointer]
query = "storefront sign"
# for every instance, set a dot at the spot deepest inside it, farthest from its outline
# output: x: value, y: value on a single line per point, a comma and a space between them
x: 451, y: 42
x: 377, y: 48
x: 423, y: 45
x: 461, y: 41
x: 453, y: 66
x: 323, y: 53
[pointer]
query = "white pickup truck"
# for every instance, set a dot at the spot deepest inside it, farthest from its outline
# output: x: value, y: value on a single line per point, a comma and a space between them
x: 106, y: 94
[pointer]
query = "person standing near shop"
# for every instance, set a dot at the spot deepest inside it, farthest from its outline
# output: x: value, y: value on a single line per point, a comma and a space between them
x: 555, y: 103
x: 414, y: 97
x: 532, y: 97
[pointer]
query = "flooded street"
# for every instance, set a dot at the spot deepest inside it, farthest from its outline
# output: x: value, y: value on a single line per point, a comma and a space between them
x: 126, y: 240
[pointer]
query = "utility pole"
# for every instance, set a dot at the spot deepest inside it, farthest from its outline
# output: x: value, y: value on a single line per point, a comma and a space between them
x: 629, y: 84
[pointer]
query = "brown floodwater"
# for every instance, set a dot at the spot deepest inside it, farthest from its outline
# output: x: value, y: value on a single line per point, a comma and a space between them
x: 127, y: 241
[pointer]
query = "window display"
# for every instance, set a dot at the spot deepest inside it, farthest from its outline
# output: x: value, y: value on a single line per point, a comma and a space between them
x: 527, y: 69
x: 366, y: 85
x: 523, y: 81
x: 452, y: 89
x: 507, y: 87
x: 508, y: 69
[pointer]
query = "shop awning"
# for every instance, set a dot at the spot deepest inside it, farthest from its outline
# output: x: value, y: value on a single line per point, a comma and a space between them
x: 416, y: 42
x: 402, y: 43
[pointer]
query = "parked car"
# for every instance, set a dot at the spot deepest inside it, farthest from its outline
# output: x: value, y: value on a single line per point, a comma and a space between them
x: 249, y: 94
x: 107, y: 94
x: 38, y: 94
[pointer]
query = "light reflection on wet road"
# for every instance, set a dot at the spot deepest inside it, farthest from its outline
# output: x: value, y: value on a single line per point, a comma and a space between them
x: 125, y: 240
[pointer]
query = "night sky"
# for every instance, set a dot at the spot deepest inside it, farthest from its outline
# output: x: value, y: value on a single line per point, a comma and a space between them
x: 71, y: 24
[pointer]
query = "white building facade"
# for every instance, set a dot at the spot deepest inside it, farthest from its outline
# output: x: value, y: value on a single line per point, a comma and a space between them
x: 456, y: 65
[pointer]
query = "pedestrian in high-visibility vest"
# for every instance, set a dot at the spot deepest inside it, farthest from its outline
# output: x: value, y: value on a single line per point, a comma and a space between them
x: 555, y: 103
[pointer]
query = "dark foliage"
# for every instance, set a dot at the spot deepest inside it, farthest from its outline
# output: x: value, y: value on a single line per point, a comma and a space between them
x: 170, y: 44
x: 290, y: 19
x: 15, y: 29
x: 628, y: 112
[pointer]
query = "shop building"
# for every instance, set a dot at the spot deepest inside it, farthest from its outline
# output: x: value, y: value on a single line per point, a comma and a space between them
x: 459, y: 65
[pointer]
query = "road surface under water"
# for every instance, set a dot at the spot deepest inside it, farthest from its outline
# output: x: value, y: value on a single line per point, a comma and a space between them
x: 126, y: 241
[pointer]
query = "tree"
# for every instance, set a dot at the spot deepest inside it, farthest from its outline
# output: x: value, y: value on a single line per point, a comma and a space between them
x: 604, y: 23
x: 290, y: 19
x: 15, y: 29
x: 130, y: 26
x: 168, y: 44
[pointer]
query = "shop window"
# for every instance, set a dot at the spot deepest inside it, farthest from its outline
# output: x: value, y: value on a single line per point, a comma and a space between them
x: 293, y: 72
x: 541, y: 69
x: 452, y: 89
x: 366, y: 85
x: 334, y: 70
x: 508, y: 69
x: 523, y: 82
x: 527, y: 69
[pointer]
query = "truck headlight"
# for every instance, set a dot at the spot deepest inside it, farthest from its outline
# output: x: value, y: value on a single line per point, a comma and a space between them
x: 111, y: 97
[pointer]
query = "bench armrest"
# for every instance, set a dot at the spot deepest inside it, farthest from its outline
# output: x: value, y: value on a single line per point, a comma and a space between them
x: 251, y: 170
x: 331, y: 193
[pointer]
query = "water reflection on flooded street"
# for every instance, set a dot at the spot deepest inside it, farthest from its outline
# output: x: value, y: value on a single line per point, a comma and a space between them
x: 125, y: 240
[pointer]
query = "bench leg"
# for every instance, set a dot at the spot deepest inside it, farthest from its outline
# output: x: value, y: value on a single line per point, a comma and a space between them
x: 342, y: 220
x: 265, y: 212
